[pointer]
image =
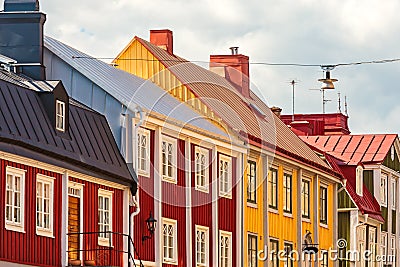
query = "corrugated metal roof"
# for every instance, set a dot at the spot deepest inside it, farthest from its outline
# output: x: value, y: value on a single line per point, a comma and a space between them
x: 130, y: 90
x: 89, y: 147
x: 221, y: 97
x: 354, y: 149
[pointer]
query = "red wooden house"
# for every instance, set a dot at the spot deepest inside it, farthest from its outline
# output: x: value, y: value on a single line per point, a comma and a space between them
x: 65, y: 188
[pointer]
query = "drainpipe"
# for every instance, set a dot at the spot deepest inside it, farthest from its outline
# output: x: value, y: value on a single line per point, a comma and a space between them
x: 133, y: 137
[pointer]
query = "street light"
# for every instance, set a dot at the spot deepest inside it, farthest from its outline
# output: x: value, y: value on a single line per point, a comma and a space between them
x: 151, y: 226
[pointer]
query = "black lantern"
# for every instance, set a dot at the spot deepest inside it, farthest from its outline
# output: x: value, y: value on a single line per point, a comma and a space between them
x: 151, y: 226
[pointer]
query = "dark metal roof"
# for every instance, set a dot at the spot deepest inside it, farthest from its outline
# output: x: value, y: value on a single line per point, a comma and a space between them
x: 89, y: 148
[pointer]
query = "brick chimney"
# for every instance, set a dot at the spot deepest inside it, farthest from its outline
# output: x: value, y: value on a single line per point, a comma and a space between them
x: 235, y: 68
x: 162, y: 39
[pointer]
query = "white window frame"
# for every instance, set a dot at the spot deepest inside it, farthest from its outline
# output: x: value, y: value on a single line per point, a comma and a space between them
x: 12, y: 225
x: 359, y: 180
x: 173, y: 142
x: 249, y: 260
x: 384, y: 243
x: 105, y: 241
x: 383, y: 189
x: 60, y: 104
x: 361, y: 243
x: 205, y: 230
x: 225, y: 176
x: 273, y: 253
x: 393, y: 248
x: 225, y: 235
x: 302, y: 199
x: 197, y: 172
x: 393, y: 186
x: 251, y: 182
x: 287, y: 193
x: 273, y: 188
x: 288, y: 262
x: 323, y: 208
x: 174, y: 224
x: 42, y: 231
x: 146, y: 170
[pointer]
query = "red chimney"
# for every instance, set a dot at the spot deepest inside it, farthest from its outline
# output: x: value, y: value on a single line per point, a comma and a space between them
x: 235, y: 68
x: 162, y: 39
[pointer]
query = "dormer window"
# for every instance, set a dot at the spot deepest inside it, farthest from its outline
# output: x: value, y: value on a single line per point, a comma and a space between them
x: 60, y: 115
x: 359, y: 180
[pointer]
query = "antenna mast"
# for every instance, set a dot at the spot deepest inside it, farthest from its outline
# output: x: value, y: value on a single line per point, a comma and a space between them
x: 293, y: 83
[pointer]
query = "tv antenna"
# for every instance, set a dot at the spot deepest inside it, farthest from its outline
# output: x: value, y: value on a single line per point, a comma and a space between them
x: 293, y: 83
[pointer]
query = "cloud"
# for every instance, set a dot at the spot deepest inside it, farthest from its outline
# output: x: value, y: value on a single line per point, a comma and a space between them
x: 304, y: 31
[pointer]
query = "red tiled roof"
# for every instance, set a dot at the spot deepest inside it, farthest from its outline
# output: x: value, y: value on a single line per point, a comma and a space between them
x: 354, y: 149
x: 366, y: 203
x: 234, y: 109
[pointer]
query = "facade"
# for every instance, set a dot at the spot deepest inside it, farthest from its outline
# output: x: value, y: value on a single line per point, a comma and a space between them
x: 283, y: 182
x: 60, y: 180
x: 367, y: 204
x: 188, y: 168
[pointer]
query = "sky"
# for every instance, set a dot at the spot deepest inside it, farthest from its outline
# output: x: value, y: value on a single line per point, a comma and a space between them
x: 270, y: 31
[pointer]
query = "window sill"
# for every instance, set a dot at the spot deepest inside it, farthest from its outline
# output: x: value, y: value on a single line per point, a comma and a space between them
x: 45, y: 233
x: 272, y: 210
x: 224, y: 195
x: 169, y: 180
x: 104, y: 242
x: 201, y: 189
x: 324, y: 225
x: 287, y: 214
x: 252, y: 205
x: 144, y: 174
x: 15, y: 228
x: 170, y: 261
x: 307, y: 220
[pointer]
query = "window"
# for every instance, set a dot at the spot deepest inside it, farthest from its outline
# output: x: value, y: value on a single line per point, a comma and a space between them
x: 225, y: 249
x: 361, y: 239
x: 384, y: 244
x: 202, y: 246
x: 105, y: 217
x: 143, y: 152
x: 288, y: 248
x: 273, y: 188
x: 393, y: 247
x: 15, y: 191
x: 60, y: 115
x: 323, y: 205
x: 324, y: 260
x: 44, y: 205
x: 287, y: 193
x: 225, y: 176
x: 274, y: 249
x: 394, y: 193
x: 201, y: 169
x: 305, y: 198
x: 372, y: 241
x: 384, y: 189
x: 170, y: 245
x: 252, y: 250
x: 251, y: 181
x: 168, y: 155
x: 359, y: 180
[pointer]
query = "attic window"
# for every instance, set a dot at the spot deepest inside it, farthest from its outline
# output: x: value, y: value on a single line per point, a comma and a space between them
x: 60, y: 115
x: 359, y: 180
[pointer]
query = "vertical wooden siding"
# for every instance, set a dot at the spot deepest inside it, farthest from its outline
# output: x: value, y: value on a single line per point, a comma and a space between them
x: 29, y: 248
x: 146, y: 198
x: 227, y: 209
x: 90, y: 224
x: 201, y: 209
x: 174, y: 203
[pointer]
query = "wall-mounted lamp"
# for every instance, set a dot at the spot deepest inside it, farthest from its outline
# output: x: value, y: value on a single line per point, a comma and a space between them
x: 151, y: 226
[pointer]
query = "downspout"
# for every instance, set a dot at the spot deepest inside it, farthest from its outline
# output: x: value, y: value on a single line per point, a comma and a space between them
x: 134, y: 158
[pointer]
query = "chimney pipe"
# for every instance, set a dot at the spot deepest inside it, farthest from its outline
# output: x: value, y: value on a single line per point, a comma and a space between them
x: 234, y: 50
x: 21, y: 36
